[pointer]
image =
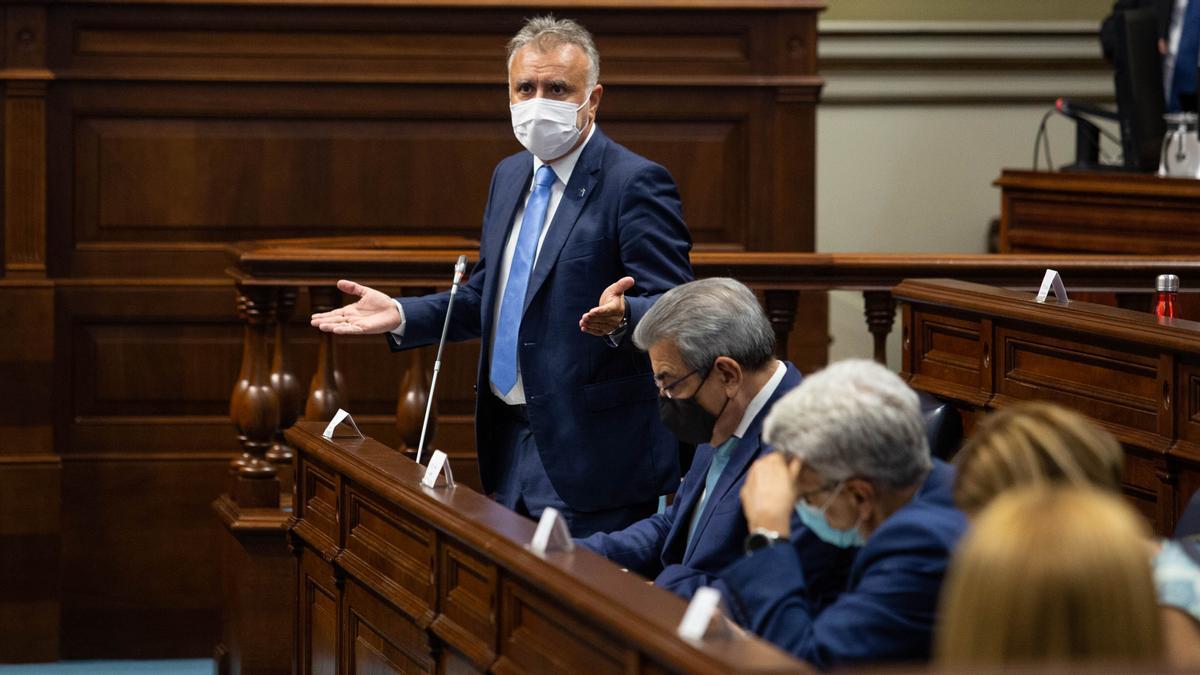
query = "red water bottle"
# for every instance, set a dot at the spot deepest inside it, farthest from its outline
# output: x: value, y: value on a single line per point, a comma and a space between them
x: 1167, y: 287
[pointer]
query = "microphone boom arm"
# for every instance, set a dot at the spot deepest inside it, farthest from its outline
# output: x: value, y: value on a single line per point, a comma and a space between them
x: 459, y: 268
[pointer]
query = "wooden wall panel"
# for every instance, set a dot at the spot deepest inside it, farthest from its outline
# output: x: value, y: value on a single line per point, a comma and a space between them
x: 140, y: 556
x: 338, y: 162
x: 30, y: 512
x: 30, y: 528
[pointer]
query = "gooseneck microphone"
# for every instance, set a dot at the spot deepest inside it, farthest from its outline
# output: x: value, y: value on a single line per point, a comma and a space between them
x: 460, y: 268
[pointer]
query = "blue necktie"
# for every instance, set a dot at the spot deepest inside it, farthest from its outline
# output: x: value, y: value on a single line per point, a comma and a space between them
x: 719, y: 460
x: 1187, y: 56
x: 504, y: 347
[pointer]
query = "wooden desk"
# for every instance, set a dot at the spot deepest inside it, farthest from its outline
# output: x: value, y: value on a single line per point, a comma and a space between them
x: 1123, y: 213
x: 987, y: 348
x: 396, y: 577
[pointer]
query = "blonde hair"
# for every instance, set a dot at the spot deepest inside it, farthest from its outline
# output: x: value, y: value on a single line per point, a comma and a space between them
x: 1052, y: 576
x: 1034, y: 444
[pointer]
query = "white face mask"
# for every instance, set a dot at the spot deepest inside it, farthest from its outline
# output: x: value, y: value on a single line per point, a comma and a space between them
x: 546, y: 127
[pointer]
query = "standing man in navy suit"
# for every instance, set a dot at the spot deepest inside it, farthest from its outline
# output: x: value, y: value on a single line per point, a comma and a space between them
x: 712, y: 349
x: 565, y: 415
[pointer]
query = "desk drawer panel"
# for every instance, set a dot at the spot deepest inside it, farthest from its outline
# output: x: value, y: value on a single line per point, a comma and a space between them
x: 948, y: 351
x: 1120, y: 388
x: 536, y: 637
x: 318, y: 615
x: 380, y: 639
x: 318, y: 501
x: 390, y: 551
x: 1188, y: 407
x: 468, y: 588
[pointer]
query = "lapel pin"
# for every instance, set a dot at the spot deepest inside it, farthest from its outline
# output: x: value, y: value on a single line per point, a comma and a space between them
x: 582, y: 191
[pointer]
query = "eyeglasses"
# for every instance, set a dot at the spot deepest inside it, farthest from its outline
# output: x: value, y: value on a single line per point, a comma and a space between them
x: 666, y: 389
x: 805, y: 496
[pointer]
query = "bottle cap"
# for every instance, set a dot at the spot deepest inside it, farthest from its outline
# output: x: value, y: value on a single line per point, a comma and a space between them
x: 1166, y: 283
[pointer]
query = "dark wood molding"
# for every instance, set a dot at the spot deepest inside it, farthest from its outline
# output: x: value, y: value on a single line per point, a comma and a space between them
x: 1132, y: 373
x: 490, y: 600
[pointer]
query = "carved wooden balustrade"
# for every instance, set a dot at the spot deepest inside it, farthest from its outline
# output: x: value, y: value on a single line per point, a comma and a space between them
x: 269, y: 274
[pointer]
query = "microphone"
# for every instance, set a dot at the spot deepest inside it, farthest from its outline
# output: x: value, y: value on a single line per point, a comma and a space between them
x: 460, y: 268
x: 1074, y: 109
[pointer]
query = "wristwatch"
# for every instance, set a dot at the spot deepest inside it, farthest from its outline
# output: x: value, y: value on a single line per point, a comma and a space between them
x: 762, y: 538
x: 621, y: 326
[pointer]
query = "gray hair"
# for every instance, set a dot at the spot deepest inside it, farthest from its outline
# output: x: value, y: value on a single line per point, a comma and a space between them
x: 546, y: 31
x: 853, y: 419
x: 710, y: 318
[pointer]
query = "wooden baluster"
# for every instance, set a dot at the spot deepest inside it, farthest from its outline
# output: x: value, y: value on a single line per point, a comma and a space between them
x: 414, y: 395
x: 241, y: 384
x: 879, y: 307
x: 287, y: 388
x: 781, y: 311
x: 255, y: 409
x: 325, y: 390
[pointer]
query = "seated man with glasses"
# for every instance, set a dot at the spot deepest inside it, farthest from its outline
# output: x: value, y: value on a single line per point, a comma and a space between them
x: 712, y: 351
x: 852, y: 461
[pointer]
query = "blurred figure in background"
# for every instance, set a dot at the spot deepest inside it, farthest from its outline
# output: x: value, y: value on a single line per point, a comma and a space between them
x: 1041, y: 444
x: 1052, y: 576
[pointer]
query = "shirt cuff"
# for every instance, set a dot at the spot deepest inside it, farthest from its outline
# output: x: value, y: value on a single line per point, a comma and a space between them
x: 399, y: 330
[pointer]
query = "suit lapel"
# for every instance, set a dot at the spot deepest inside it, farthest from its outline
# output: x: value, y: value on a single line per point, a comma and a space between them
x: 577, y: 192
x: 677, y: 537
x: 739, y: 460
x: 743, y: 455
x: 509, y: 197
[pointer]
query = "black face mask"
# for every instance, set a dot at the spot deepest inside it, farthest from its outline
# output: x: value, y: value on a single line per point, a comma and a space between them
x: 685, y: 418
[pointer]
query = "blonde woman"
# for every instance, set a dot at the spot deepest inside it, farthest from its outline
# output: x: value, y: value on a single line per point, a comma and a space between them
x: 1041, y: 444
x: 1051, y: 575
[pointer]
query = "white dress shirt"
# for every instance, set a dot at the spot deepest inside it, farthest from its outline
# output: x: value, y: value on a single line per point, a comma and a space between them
x: 563, y: 168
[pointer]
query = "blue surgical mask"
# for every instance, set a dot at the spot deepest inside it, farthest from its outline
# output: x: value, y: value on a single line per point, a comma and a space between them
x: 815, y: 520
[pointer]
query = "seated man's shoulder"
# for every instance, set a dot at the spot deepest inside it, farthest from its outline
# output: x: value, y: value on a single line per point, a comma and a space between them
x: 930, y: 522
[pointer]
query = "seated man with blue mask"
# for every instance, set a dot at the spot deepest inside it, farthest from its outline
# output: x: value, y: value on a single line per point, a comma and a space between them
x: 852, y: 460
x: 712, y: 352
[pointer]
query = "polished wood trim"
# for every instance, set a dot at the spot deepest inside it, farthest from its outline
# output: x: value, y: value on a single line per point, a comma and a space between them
x: 581, y: 584
x: 1132, y: 373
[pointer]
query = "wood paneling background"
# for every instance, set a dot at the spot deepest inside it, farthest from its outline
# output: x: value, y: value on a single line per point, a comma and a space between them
x: 140, y: 138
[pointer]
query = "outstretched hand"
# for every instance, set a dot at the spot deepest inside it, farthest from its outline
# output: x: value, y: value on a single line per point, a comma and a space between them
x: 606, y: 316
x: 373, y: 313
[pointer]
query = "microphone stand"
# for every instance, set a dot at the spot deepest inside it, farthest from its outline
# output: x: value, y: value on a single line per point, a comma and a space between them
x: 460, y: 268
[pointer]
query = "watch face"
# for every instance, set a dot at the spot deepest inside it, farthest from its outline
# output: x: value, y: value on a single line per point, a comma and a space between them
x: 757, y: 540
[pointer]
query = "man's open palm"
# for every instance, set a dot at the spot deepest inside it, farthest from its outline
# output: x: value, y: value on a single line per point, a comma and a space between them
x: 374, y: 313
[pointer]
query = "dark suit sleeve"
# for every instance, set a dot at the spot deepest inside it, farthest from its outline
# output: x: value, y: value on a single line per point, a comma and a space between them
x: 637, y: 547
x: 654, y: 240
x: 887, y: 615
x: 683, y: 580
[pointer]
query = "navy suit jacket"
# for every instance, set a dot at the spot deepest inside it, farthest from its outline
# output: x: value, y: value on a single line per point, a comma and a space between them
x: 657, y: 547
x: 888, y: 608
x: 591, y: 406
